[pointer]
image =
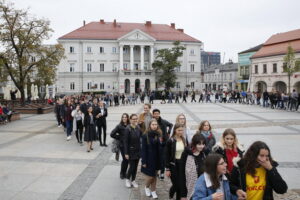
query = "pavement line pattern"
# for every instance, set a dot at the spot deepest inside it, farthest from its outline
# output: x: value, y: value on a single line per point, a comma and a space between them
x: 45, y: 160
x: 195, y: 117
x: 83, y: 182
x: 257, y: 117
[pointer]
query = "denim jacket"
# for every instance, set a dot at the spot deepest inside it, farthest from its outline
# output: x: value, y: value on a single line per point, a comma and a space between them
x: 204, y: 190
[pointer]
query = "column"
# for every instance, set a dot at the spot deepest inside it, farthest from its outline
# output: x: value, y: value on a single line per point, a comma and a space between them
x: 121, y: 58
x: 151, y: 56
x: 142, y: 57
x: 131, y: 57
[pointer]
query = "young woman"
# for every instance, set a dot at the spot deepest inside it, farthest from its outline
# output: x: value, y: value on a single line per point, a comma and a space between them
x: 67, y: 117
x: 257, y: 170
x: 151, y: 157
x: 174, y: 148
x: 181, y: 119
x: 118, y: 134
x: 229, y: 148
x: 145, y: 117
x: 205, y: 130
x: 213, y: 184
x: 78, y: 118
x: 90, y: 134
x: 192, y: 166
x: 132, y: 149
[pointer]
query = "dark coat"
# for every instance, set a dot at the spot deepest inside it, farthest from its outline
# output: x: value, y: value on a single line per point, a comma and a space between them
x: 118, y: 133
x: 170, y: 151
x: 132, y: 142
x: 273, y: 182
x: 150, y: 153
x: 102, y: 119
x: 90, y: 129
x: 166, y: 128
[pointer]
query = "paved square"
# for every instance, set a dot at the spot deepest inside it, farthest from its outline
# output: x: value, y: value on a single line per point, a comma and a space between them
x: 36, y: 161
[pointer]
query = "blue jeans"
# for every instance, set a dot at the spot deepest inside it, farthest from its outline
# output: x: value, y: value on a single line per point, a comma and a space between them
x: 265, y: 103
x: 69, y: 127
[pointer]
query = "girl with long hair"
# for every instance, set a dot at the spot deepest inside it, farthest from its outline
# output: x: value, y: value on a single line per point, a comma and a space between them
x: 151, y: 157
x: 255, y: 176
x: 229, y: 148
x: 206, y: 130
x: 174, y: 148
x: 181, y: 119
x: 213, y: 184
x: 118, y: 134
x: 90, y: 134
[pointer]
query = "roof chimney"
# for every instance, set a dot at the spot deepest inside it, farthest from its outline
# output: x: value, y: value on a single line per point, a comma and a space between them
x: 115, y: 23
x: 173, y: 25
x: 181, y: 30
x: 148, y: 23
x: 102, y: 21
x: 83, y: 22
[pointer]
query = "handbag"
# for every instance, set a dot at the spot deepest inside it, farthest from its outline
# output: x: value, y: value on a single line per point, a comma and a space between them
x: 115, y: 147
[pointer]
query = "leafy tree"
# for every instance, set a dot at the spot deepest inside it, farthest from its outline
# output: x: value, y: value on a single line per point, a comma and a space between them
x: 3, y: 74
x: 291, y: 65
x: 21, y: 37
x: 165, y: 64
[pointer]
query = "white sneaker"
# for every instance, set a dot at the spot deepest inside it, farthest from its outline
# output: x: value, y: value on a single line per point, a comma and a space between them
x: 68, y: 138
x: 134, y: 184
x: 154, y: 195
x: 147, y: 191
x: 128, y: 183
x: 59, y: 126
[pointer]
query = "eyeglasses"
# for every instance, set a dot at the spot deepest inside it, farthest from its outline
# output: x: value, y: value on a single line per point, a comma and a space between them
x: 222, y: 163
x: 181, y: 118
x: 133, y: 118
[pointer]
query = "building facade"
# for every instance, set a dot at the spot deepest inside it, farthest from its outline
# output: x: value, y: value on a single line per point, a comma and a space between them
x: 267, y: 72
x: 117, y: 57
x: 221, y: 77
x: 210, y: 58
x: 244, y: 65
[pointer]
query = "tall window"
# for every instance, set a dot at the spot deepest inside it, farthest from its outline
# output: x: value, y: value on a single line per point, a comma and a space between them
x: 89, y: 49
x: 101, y: 86
x: 230, y: 76
x: 178, y: 85
x: 192, y: 67
x: 114, y: 50
x: 192, y: 52
x: 125, y: 66
x: 89, y: 67
x: 274, y: 67
x: 101, y: 49
x: 101, y: 67
x: 192, y: 84
x: 72, y: 67
x: 265, y: 68
x: 115, y: 67
x: 256, y: 69
x: 225, y: 76
x: 33, y: 59
x: 72, y: 49
x: 89, y: 85
x: 72, y: 86
x: 125, y: 50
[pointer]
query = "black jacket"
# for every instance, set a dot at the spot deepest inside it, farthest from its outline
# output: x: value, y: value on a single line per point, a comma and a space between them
x: 219, y: 149
x: 118, y: 133
x: 132, y: 142
x: 170, y: 152
x: 273, y: 182
x: 166, y: 128
x: 102, y: 119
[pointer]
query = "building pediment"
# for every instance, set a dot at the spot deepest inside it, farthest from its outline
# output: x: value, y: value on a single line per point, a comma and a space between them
x: 137, y: 35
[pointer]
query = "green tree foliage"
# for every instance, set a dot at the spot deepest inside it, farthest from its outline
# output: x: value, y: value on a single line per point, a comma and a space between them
x: 291, y: 65
x: 165, y: 64
x: 23, y: 55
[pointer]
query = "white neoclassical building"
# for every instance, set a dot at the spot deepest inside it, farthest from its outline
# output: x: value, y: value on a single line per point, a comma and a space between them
x: 267, y: 63
x: 117, y: 57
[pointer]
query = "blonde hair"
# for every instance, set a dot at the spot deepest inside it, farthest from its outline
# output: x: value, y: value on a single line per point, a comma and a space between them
x: 177, y: 119
x: 177, y: 126
x: 229, y: 131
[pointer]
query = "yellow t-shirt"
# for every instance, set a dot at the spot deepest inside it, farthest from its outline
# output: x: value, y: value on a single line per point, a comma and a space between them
x: 179, y: 149
x: 256, y: 185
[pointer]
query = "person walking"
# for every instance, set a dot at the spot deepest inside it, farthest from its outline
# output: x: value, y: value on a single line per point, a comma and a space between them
x: 101, y: 114
x: 206, y: 130
x: 78, y: 118
x: 67, y: 117
x: 187, y: 133
x: 118, y: 134
x: 90, y: 134
x: 145, y: 117
x: 132, y: 150
x: 193, y: 97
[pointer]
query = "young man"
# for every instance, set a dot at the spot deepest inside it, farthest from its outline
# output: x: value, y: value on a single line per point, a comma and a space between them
x: 166, y: 128
x: 100, y: 115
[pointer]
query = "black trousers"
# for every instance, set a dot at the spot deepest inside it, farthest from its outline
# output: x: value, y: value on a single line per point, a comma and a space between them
x: 59, y: 121
x: 124, y: 164
x: 100, y: 128
x: 175, y: 188
x: 79, y: 130
x: 131, y: 173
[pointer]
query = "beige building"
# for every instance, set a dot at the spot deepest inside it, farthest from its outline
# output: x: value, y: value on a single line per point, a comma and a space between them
x: 267, y: 64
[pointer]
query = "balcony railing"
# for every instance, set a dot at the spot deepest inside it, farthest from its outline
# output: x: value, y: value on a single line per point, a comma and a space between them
x: 137, y: 72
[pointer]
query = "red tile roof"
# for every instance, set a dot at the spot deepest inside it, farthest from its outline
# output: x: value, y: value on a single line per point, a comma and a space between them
x: 110, y: 31
x: 278, y: 43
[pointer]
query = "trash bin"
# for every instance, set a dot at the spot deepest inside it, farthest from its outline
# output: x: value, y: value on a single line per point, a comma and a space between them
x: 40, y: 111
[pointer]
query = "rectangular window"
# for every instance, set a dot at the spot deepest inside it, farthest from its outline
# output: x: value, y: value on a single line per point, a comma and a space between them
x: 136, y: 66
x: 33, y: 59
x: 225, y: 77
x: 192, y: 67
x: 125, y: 66
x: 274, y: 67
x: 230, y: 76
x: 247, y: 70
x: 192, y: 52
x: 72, y: 67
x: 72, y: 49
x: 89, y: 85
x: 101, y: 67
x: 178, y: 85
x: 89, y: 49
x: 115, y: 67
x: 72, y: 86
x: 241, y: 71
x: 126, y: 50
x: 101, y: 49
x: 89, y: 67
x: 114, y: 50
x: 265, y: 68
x: 146, y: 66
x: 192, y: 84
x: 256, y: 69
x: 101, y: 86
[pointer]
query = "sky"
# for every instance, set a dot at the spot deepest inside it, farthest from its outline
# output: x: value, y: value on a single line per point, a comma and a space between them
x: 226, y: 26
